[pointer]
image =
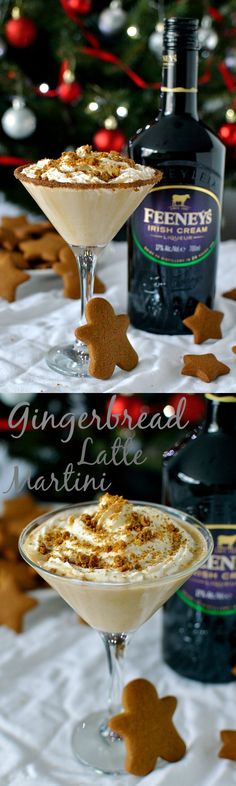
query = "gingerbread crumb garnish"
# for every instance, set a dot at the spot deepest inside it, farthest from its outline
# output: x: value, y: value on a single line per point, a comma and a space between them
x: 98, y: 545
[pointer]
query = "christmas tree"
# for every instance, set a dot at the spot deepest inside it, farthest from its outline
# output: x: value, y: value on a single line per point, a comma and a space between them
x: 76, y: 71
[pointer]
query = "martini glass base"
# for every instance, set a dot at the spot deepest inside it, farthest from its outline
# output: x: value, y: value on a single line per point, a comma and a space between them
x: 95, y: 746
x: 71, y: 360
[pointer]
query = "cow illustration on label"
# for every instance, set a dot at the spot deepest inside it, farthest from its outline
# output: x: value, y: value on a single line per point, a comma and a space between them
x: 179, y: 199
x: 227, y: 541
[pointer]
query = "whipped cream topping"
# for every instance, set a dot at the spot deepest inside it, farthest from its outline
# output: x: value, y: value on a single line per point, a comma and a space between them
x: 115, y: 541
x: 86, y: 166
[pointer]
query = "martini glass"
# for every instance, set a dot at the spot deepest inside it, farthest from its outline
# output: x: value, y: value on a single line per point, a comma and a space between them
x: 115, y: 610
x: 87, y: 217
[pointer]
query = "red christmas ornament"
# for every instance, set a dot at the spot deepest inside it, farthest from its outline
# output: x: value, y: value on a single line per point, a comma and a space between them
x: 20, y: 32
x: 80, y: 6
x: 69, y: 92
x: 134, y: 406
x: 195, y: 406
x: 227, y: 133
x: 105, y: 139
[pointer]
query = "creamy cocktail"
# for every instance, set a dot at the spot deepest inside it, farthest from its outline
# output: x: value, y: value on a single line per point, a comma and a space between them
x: 115, y: 562
x: 111, y: 557
x: 87, y: 196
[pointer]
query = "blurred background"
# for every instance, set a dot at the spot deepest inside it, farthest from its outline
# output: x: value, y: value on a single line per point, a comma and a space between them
x: 42, y: 451
x: 76, y: 71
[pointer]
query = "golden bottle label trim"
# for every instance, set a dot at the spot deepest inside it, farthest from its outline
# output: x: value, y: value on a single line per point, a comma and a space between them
x: 179, y: 89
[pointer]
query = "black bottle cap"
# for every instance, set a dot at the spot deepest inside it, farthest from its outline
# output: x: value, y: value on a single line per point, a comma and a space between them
x: 180, y: 33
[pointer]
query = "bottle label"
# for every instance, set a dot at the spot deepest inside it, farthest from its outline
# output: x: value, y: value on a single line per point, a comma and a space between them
x: 177, y: 226
x: 212, y: 589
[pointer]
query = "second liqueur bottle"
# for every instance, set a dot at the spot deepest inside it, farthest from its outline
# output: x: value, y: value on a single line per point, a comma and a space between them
x: 174, y: 234
x: 199, y: 476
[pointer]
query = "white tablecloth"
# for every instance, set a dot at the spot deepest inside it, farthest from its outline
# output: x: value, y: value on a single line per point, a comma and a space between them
x: 54, y: 674
x: 41, y: 318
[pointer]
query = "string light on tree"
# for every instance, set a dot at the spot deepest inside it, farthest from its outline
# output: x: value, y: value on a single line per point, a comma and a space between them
x: 230, y: 115
x: 18, y: 122
x: 122, y: 111
x: 110, y: 122
x: 133, y: 31
x: 20, y: 31
x: 93, y: 106
x: 112, y: 19
x: 44, y: 88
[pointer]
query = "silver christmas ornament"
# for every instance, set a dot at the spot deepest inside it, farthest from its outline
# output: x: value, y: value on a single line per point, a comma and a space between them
x: 208, y: 37
x: 230, y: 60
x: 112, y: 19
x: 3, y: 47
x: 18, y: 122
x: 155, y: 41
x: 212, y: 40
x: 155, y: 44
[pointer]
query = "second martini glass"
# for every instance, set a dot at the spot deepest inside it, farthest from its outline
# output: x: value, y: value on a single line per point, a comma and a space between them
x: 88, y: 216
x: 115, y: 610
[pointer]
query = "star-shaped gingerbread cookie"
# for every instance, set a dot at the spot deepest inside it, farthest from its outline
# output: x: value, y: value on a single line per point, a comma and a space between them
x: 205, y: 367
x: 46, y: 248
x: 105, y: 337
x: 231, y: 294
x: 13, y: 603
x: 22, y: 228
x: 204, y: 323
x: 7, y: 238
x: 147, y: 728
x: 17, y: 512
x: 11, y: 274
x: 67, y: 268
x: 228, y: 750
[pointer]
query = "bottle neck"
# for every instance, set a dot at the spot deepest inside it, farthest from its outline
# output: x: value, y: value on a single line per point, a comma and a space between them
x: 220, y: 416
x: 179, y: 83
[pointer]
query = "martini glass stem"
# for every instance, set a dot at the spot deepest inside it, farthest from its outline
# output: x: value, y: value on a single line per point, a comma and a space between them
x: 86, y: 259
x: 115, y: 645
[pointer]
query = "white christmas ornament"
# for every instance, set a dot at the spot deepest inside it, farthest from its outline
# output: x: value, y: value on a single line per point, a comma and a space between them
x: 112, y: 19
x: 18, y: 122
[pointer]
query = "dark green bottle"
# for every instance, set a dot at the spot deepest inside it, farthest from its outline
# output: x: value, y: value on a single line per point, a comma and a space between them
x: 199, y: 633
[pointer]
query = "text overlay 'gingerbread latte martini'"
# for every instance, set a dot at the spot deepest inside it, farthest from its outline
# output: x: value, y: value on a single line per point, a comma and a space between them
x: 87, y: 196
x: 115, y: 562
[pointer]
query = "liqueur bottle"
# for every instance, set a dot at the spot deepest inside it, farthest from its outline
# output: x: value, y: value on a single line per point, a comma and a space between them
x: 199, y: 636
x: 174, y: 234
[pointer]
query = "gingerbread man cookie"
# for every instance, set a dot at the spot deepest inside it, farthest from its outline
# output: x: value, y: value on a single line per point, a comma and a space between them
x: 147, y: 728
x: 105, y: 336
